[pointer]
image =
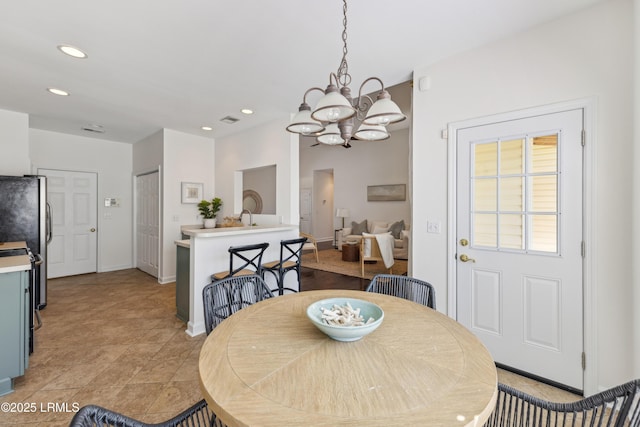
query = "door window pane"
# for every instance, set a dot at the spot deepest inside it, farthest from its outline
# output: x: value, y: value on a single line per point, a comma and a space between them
x: 511, y: 157
x: 485, y: 159
x: 544, y: 193
x: 511, y: 232
x: 511, y: 194
x: 544, y: 232
x: 485, y: 194
x: 485, y: 230
x: 544, y: 153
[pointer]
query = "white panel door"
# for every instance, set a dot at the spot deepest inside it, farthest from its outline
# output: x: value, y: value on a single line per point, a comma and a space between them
x: 305, y: 210
x: 148, y: 223
x: 73, y: 200
x: 519, y: 243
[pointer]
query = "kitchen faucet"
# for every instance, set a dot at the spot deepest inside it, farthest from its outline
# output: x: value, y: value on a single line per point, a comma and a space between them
x: 250, y: 216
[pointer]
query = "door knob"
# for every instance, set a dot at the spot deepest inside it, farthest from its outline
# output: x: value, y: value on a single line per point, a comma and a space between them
x: 93, y: 230
x: 464, y: 242
x: 465, y: 258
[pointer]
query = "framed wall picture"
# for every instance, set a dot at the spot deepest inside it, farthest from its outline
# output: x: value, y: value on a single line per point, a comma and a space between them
x: 386, y: 193
x: 192, y: 192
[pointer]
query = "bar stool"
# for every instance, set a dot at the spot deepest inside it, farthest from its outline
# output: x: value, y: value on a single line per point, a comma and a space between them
x: 290, y: 253
x: 248, y: 261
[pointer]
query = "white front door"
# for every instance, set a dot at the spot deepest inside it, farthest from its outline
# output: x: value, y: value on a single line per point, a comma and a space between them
x: 148, y: 223
x: 519, y: 242
x: 73, y: 199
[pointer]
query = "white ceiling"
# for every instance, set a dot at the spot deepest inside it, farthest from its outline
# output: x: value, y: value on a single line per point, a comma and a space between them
x: 182, y: 64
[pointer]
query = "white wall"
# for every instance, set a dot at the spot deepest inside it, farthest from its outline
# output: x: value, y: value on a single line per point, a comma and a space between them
x: 111, y: 161
x: 187, y: 158
x: 263, y: 145
x: 365, y: 163
x: 14, y: 143
x: 148, y: 154
x: 179, y: 157
x: 588, y: 54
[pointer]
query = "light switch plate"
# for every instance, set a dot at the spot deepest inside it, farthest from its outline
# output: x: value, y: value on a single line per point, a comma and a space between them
x: 433, y: 227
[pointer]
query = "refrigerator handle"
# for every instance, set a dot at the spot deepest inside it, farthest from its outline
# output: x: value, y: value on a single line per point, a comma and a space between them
x: 49, y: 232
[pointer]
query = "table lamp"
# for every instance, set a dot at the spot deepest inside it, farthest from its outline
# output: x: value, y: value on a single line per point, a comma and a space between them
x: 342, y: 213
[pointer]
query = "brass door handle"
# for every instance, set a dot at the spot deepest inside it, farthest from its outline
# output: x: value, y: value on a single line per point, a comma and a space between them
x: 465, y: 258
x: 93, y: 230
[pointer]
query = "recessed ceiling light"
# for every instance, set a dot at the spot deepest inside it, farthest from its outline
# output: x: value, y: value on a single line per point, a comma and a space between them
x: 206, y: 128
x: 59, y: 92
x: 246, y: 111
x: 72, y: 51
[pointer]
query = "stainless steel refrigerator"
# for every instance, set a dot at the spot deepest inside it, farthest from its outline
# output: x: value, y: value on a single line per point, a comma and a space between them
x: 26, y: 216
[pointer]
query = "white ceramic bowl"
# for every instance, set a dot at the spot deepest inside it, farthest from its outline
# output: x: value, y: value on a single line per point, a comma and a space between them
x: 346, y: 333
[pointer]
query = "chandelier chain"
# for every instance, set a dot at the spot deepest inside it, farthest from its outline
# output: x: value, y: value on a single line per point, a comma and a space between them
x: 344, y: 78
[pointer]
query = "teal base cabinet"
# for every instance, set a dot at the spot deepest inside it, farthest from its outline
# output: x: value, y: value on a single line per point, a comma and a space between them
x: 182, y: 283
x: 14, y: 327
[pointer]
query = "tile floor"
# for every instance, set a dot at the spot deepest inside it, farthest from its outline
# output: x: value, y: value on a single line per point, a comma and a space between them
x: 112, y: 339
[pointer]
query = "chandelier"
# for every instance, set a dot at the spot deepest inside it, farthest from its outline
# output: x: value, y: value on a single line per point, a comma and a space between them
x: 333, y: 120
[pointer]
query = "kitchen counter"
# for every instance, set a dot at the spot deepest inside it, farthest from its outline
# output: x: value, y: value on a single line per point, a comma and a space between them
x: 15, y: 263
x: 13, y: 245
x: 234, y: 231
x: 208, y: 254
x: 10, y: 264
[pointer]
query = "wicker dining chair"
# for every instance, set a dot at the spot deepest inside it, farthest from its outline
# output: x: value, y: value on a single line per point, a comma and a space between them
x: 222, y: 298
x: 415, y: 290
x: 290, y: 258
x: 615, y: 407
x: 199, y: 415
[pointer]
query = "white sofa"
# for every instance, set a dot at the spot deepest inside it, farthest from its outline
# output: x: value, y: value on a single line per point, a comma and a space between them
x: 401, y: 239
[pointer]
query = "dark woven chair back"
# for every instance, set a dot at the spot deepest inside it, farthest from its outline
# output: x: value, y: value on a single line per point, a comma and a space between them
x: 199, y: 415
x: 290, y: 253
x: 404, y: 287
x: 224, y: 297
x: 243, y: 260
x: 615, y: 407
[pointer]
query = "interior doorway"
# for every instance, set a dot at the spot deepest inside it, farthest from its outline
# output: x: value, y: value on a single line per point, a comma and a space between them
x: 322, y: 205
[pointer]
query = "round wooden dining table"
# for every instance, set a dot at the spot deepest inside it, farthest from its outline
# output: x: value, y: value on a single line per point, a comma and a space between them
x: 268, y: 365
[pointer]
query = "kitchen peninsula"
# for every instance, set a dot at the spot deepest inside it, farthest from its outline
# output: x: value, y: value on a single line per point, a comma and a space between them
x: 208, y: 254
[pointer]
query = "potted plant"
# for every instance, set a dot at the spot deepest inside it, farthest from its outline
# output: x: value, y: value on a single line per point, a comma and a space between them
x: 209, y: 209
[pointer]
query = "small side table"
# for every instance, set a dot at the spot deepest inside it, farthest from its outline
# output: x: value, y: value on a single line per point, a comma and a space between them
x: 350, y: 253
x: 335, y: 237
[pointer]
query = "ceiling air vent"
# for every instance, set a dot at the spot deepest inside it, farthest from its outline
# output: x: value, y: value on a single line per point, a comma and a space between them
x: 229, y: 120
x: 94, y: 128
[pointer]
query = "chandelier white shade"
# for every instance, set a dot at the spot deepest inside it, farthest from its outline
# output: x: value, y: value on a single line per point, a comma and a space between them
x: 331, y: 136
x: 336, y: 111
x: 372, y: 133
x: 333, y: 107
x: 384, y: 111
x: 303, y: 124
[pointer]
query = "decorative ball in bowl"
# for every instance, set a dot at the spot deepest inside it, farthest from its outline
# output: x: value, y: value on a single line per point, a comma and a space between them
x: 345, y: 319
